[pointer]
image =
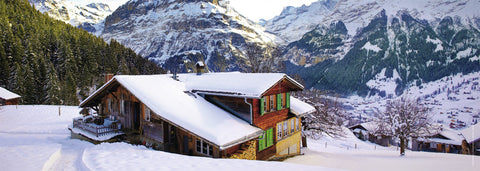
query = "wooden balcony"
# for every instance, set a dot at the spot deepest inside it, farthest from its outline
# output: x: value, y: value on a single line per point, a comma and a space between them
x: 91, y: 128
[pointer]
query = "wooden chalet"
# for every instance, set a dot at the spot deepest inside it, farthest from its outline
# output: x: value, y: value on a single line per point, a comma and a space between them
x: 471, y: 142
x: 8, y: 97
x: 369, y: 131
x: 220, y: 115
x: 445, y: 140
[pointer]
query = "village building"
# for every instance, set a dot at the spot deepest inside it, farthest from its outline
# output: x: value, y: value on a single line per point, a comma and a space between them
x: 471, y: 143
x: 220, y: 115
x: 445, y: 140
x: 368, y: 131
x: 8, y: 97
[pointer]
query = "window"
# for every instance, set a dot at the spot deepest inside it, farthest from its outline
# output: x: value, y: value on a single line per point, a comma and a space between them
x: 279, y: 131
x: 297, y: 124
x: 279, y: 101
x: 264, y: 107
x: 266, y: 140
x: 292, y: 125
x: 204, y: 148
x: 285, y: 128
x: 109, y: 103
x: 122, y: 104
x: 272, y: 102
x: 147, y: 113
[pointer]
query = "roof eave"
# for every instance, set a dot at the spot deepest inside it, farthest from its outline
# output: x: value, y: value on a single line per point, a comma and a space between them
x: 241, y: 140
x: 92, y: 96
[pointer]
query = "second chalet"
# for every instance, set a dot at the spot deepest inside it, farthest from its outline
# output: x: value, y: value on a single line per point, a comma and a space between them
x: 220, y: 115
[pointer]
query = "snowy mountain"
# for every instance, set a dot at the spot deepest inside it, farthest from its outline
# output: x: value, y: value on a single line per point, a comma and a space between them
x: 85, y: 14
x: 292, y: 23
x: 399, y: 45
x: 178, y: 33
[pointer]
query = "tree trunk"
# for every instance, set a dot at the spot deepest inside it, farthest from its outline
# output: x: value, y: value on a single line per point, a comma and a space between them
x: 402, y: 145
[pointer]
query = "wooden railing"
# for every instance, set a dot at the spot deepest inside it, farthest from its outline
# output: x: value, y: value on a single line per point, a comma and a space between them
x: 97, y: 130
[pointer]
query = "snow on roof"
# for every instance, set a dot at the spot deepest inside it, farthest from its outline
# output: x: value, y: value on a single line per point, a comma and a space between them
x: 371, y: 126
x: 472, y: 133
x: 455, y: 136
x: 7, y: 95
x: 167, y: 98
x: 299, y: 107
x: 234, y: 83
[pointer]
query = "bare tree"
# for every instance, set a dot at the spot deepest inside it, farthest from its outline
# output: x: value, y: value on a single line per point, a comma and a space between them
x: 405, y: 118
x: 327, y: 119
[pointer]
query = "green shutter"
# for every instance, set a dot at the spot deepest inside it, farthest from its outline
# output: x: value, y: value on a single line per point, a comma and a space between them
x: 287, y: 97
x: 279, y: 101
x: 261, y: 143
x: 262, y: 107
x: 269, y: 137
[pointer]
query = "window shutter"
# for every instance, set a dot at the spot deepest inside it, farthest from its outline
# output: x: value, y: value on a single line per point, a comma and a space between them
x: 279, y: 101
x: 262, y: 107
x: 269, y: 137
x: 261, y: 143
x: 287, y: 100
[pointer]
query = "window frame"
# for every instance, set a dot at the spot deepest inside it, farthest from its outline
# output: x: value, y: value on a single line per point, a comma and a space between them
x: 292, y: 125
x: 205, y: 148
x: 285, y: 128
x: 279, y: 131
x: 147, y: 113
x: 271, y: 100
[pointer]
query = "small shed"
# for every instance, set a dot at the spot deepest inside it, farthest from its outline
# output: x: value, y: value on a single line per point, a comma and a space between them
x: 444, y: 140
x: 8, y: 97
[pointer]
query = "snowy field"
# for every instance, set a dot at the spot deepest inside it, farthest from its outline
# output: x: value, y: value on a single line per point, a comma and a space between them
x: 36, y: 138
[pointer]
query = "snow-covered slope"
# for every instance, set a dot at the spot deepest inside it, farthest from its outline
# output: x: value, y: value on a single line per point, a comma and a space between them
x: 453, y: 99
x: 77, y: 12
x: 356, y: 14
x: 178, y: 32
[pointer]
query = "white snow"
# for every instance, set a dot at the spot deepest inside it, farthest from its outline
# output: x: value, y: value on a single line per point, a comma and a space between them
x: 437, y: 42
x: 472, y: 133
x: 239, y: 84
x: 384, y: 83
x: 299, y: 107
x: 52, y: 149
x: 35, y: 137
x: 7, y: 95
x: 369, y: 47
x: 465, y: 53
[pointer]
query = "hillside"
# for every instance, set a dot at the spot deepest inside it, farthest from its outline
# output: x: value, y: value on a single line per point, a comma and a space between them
x: 47, y: 61
x: 405, y: 43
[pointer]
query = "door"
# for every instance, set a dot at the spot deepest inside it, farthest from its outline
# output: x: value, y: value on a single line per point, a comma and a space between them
x: 136, y: 116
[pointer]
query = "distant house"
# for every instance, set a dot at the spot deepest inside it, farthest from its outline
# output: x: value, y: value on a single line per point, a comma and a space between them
x: 471, y: 142
x: 369, y: 131
x: 445, y: 140
x: 221, y: 115
x: 8, y: 97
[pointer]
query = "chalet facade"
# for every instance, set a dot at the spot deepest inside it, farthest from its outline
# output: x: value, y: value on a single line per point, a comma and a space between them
x: 220, y: 115
x: 445, y: 140
x: 8, y: 97
x: 369, y: 131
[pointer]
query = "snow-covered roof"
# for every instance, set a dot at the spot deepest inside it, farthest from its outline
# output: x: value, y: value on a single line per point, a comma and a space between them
x: 7, y: 95
x: 371, y: 127
x: 472, y: 133
x: 167, y: 98
x: 299, y: 107
x: 252, y: 85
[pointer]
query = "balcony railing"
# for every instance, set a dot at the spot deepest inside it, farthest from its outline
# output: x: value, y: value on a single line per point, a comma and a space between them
x: 108, y: 127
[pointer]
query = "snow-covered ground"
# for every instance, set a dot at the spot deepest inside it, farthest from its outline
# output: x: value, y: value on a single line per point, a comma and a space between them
x: 36, y: 138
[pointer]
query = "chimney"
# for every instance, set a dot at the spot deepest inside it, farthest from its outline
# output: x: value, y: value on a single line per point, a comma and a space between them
x: 200, y: 66
x: 108, y: 77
